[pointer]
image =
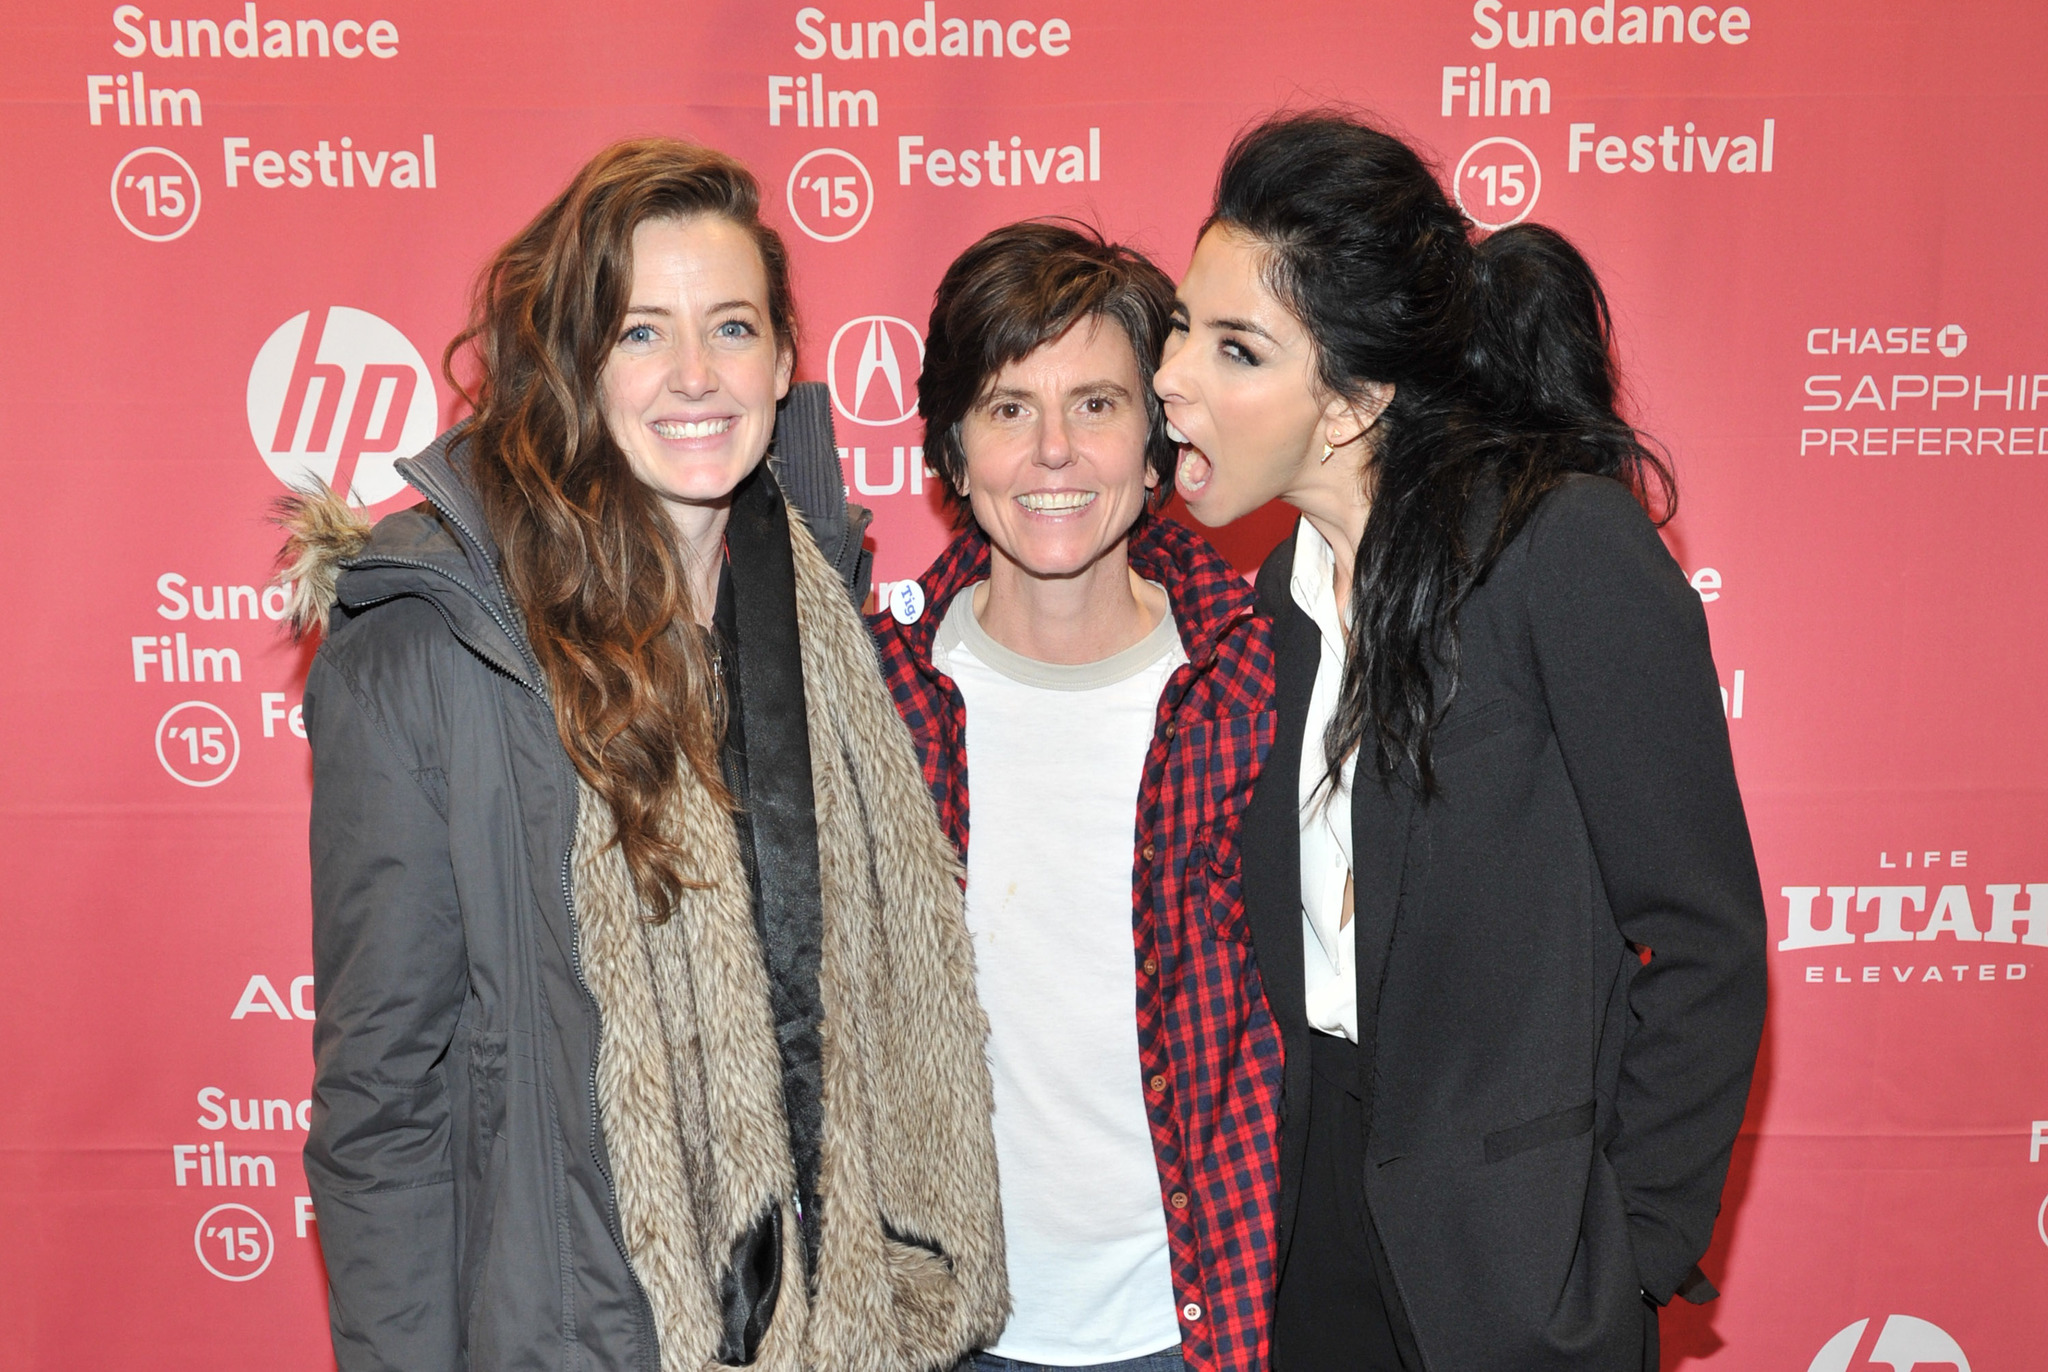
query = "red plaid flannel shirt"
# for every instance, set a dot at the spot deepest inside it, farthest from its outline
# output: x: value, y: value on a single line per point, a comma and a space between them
x: 1208, y: 1048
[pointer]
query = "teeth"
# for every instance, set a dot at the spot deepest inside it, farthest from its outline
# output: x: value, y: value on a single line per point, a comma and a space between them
x: 701, y: 428
x: 1056, y: 502
x: 1175, y: 434
x: 1193, y: 473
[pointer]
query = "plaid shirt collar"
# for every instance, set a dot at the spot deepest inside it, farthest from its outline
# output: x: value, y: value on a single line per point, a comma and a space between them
x: 1206, y: 597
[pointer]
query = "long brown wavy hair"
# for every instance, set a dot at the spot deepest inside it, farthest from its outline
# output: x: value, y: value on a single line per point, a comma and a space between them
x: 590, y: 558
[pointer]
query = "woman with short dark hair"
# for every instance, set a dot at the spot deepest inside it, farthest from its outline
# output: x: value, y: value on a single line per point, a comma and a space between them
x: 1097, y: 672
x: 1497, y: 867
x: 646, y: 1027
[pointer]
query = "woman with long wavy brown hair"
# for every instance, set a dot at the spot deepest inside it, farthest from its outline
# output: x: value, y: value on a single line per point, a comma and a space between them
x: 646, y: 1025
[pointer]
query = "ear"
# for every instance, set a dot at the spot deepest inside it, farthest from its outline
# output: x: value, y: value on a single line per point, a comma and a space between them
x: 1348, y: 420
x: 1151, y: 477
x: 785, y: 368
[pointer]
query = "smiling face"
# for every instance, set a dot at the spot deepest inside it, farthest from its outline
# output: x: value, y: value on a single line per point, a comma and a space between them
x: 1240, y: 387
x: 690, y: 387
x: 1055, y: 449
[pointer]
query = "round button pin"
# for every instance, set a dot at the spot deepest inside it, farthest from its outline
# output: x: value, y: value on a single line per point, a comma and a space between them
x: 906, y: 602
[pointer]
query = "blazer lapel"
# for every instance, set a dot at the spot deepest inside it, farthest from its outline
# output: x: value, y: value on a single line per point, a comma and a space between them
x: 1384, y: 818
x: 1270, y: 840
x: 1271, y: 833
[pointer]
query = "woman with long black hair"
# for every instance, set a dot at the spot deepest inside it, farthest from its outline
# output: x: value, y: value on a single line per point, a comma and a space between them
x: 1497, y: 869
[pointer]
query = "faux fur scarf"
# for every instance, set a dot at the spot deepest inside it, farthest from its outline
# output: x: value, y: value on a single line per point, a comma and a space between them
x: 910, y: 1249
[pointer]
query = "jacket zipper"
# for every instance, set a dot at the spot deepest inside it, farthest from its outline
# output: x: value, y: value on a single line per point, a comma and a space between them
x: 538, y: 688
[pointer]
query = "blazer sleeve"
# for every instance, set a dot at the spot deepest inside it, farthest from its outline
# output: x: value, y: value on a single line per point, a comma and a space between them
x: 1620, y: 643
x: 390, y: 978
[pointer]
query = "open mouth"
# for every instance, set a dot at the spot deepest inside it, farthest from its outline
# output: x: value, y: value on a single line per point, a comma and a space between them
x: 1192, y: 473
x: 694, y: 428
x: 1056, y: 502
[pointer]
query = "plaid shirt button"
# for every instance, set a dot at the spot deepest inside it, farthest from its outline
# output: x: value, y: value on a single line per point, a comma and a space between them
x: 1151, y: 967
x: 1191, y: 1311
x: 1149, y: 852
x: 1180, y: 1200
x: 1157, y: 1084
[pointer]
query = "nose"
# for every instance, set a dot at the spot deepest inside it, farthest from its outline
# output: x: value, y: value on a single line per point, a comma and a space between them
x: 1055, y: 444
x: 690, y: 373
x: 1167, y: 383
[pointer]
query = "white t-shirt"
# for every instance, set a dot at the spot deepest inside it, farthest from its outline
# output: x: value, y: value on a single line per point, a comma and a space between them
x: 1055, y: 755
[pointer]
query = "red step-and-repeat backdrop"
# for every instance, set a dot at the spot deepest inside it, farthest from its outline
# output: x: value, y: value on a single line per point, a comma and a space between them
x: 236, y: 238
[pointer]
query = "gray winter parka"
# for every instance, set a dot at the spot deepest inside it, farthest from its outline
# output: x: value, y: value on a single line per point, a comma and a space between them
x: 464, y: 1198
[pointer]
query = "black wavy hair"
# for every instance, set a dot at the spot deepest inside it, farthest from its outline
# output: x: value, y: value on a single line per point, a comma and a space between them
x: 1542, y: 362
x: 1502, y: 381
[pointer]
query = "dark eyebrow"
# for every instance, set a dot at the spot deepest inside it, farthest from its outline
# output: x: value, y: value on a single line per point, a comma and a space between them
x: 1105, y: 388
x: 721, y: 306
x: 1242, y: 326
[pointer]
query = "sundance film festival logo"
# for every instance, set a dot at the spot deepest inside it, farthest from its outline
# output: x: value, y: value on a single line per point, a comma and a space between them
x: 338, y: 395
x: 873, y: 366
x: 1900, y: 1342
x: 234, y: 1242
x: 1497, y: 182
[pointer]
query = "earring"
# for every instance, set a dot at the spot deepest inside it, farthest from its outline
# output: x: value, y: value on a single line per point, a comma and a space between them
x: 1328, y: 449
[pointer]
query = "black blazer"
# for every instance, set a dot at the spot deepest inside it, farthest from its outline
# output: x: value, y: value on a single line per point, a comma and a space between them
x: 1550, y: 1117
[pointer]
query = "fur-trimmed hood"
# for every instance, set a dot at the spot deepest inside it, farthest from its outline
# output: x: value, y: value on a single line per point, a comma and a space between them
x: 339, y: 564
x: 322, y: 532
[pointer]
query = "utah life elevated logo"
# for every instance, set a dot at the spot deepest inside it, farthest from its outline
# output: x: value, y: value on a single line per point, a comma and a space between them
x: 339, y: 395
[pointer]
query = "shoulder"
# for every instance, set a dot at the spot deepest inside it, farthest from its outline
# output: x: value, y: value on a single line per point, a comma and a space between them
x: 392, y: 645
x: 1206, y: 592
x: 1590, y: 519
x: 416, y: 531
x: 1591, y: 565
x: 906, y: 616
x: 397, y: 659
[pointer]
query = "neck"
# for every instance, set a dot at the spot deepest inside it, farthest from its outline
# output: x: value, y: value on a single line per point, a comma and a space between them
x: 1332, y: 496
x: 700, y: 533
x: 1087, y: 617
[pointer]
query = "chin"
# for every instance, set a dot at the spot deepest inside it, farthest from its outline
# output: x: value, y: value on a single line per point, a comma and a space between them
x: 1213, y: 507
x: 708, y: 485
x: 1206, y: 511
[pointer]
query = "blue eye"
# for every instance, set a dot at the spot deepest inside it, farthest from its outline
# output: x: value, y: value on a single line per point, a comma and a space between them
x: 735, y: 328
x: 1238, y: 352
x: 638, y: 333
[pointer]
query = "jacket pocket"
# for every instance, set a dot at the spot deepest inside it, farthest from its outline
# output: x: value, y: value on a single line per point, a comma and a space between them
x: 1556, y: 1127
x: 487, y: 1053
x: 1216, y: 884
x: 486, y: 1069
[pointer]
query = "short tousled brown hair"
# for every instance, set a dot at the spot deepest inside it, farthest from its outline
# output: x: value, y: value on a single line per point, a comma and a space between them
x: 1019, y: 288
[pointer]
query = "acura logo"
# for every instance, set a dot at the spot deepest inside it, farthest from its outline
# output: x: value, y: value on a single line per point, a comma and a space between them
x: 872, y: 368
